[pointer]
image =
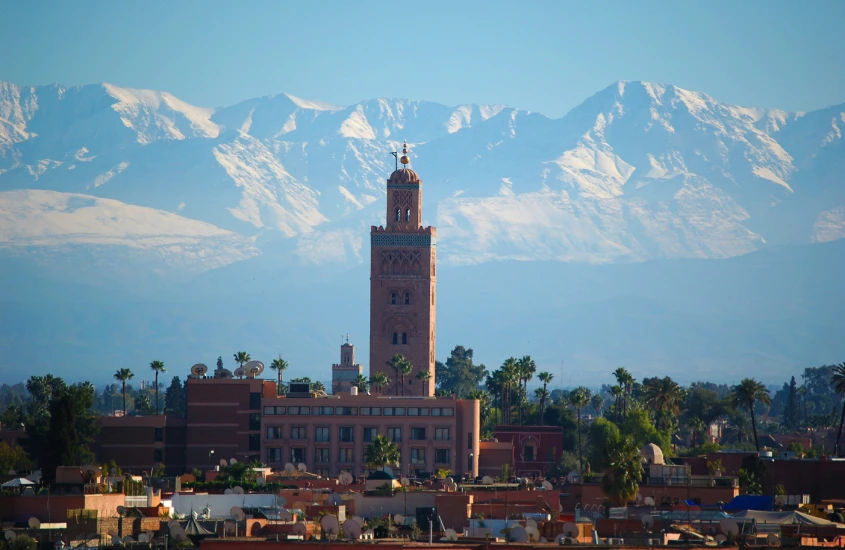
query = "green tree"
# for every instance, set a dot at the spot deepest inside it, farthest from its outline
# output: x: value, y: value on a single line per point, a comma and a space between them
x: 578, y: 399
x: 791, y: 412
x: 696, y: 425
x: 174, y: 398
x: 13, y: 457
x: 526, y: 368
x: 403, y: 368
x: 280, y: 366
x: 379, y: 380
x: 71, y: 430
x: 242, y: 358
x: 122, y: 375
x: 459, y: 375
x: 157, y: 367
x: 381, y: 453
x: 361, y: 383
x: 837, y: 382
x: 483, y: 399
x: 618, y: 457
x: 626, y: 383
x: 546, y: 379
x: 23, y: 542
x: 597, y: 403
x: 746, y: 394
x: 143, y: 406
x: 424, y: 376
x: 663, y: 396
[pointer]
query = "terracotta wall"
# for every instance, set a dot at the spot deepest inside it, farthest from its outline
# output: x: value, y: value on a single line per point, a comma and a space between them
x: 54, y: 508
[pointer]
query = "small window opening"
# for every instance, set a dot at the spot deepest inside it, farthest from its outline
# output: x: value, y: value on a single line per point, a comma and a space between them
x: 408, y: 215
x: 395, y: 338
x: 407, y: 298
x: 392, y: 297
x: 398, y: 215
x: 404, y: 337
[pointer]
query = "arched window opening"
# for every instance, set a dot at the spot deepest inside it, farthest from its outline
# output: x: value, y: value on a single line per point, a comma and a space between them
x: 398, y: 215
x: 404, y: 337
x: 392, y: 297
x: 407, y: 298
x: 408, y: 215
x: 395, y: 338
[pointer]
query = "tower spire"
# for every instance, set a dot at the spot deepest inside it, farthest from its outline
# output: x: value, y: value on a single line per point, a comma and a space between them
x: 405, y: 160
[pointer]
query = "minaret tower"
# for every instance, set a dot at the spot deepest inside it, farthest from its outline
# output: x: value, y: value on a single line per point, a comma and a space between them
x: 402, y: 286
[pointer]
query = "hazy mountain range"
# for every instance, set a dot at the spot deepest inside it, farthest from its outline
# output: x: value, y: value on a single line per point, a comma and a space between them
x: 134, y: 226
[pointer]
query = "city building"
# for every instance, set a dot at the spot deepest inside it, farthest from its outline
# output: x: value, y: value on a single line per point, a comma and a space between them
x: 344, y: 374
x: 535, y: 449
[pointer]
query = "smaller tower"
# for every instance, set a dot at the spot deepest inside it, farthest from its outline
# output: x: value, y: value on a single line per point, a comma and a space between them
x: 343, y: 375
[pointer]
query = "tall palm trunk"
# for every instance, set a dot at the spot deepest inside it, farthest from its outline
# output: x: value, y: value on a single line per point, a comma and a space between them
x: 124, y: 397
x: 156, y: 392
x: 754, y: 427
x: 839, y: 433
x: 580, y: 448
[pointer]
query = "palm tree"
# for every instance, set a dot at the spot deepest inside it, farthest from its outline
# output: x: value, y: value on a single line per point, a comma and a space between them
x: 396, y: 364
x: 242, y: 358
x: 157, y: 366
x: 803, y: 392
x: 578, y: 399
x: 745, y: 395
x: 122, y: 375
x: 663, y: 396
x: 361, y: 383
x: 495, y: 385
x: 697, y: 426
x: 404, y: 370
x: 526, y: 368
x: 510, y: 376
x: 483, y: 398
x: 424, y: 376
x: 545, y: 378
x: 623, y: 470
x: 597, y: 402
x: 279, y: 365
x: 616, y: 392
x: 379, y: 380
x: 381, y: 452
x: 837, y: 380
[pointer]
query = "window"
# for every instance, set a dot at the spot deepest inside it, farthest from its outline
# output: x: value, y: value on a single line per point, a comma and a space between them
x: 323, y: 411
x: 322, y: 472
x: 398, y: 215
x: 528, y: 453
x: 159, y: 434
x: 417, y: 434
x: 302, y: 411
x: 393, y: 298
x: 321, y: 456
x: 269, y: 410
x: 404, y: 337
x: 370, y: 411
x: 407, y: 214
x: 346, y: 434
x: 274, y: 432
x: 255, y: 401
x: 418, y: 411
x: 370, y: 434
x: 395, y: 338
x: 443, y: 411
x: 274, y: 455
x: 441, y: 434
x: 158, y: 455
x: 394, y: 435
x: 394, y: 411
x: 346, y: 411
x: 297, y: 454
x: 280, y: 410
x: 345, y: 456
x: 407, y: 298
x: 441, y: 456
x: 254, y: 422
x: 321, y: 434
x: 418, y: 456
x: 297, y: 433
x: 254, y: 442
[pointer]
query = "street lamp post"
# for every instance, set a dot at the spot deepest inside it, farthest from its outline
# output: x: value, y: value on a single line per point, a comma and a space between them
x: 211, y: 452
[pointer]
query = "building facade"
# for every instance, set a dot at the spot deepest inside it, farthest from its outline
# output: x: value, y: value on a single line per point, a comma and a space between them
x: 345, y: 372
x: 536, y: 449
x: 403, y: 299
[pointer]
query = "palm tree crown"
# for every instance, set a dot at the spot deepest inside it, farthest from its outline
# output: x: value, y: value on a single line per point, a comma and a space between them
x: 122, y: 375
x: 664, y: 397
x: 279, y: 365
x: 837, y: 381
x: 745, y: 395
x: 381, y: 452
x: 242, y: 358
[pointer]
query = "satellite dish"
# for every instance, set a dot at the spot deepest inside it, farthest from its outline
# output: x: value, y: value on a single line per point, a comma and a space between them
x: 223, y: 373
x: 533, y: 533
x: 233, y: 461
x: 180, y: 535
x: 647, y: 520
x: 10, y: 535
x: 199, y: 369
x: 227, y: 491
x: 240, y: 372
x: 121, y: 511
x: 115, y: 540
x: 143, y: 538
x: 530, y: 523
x: 547, y: 485
x: 335, y: 499
x: 648, y: 501
x: 224, y: 462
x: 299, y: 528
x: 638, y: 499
x: 302, y: 467
x: 729, y: 527
x: 284, y: 515
x: 238, y: 490
x: 330, y: 524
x: 150, y: 535
x: 229, y: 526
x: 360, y: 520
x: 449, y: 481
x: 570, y: 530
x: 346, y: 478
x: 405, y: 481
x: 451, y: 535
x: 237, y: 514
x: 352, y: 529
x: 518, y: 534
x: 399, y: 519
x: 261, y: 482
x: 256, y: 366
x: 720, y: 538
x: 289, y: 468
x: 34, y: 523
x: 487, y: 480
x: 128, y: 539
x: 773, y: 540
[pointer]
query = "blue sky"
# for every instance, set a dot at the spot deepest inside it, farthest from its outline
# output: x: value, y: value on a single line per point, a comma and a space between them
x: 541, y: 56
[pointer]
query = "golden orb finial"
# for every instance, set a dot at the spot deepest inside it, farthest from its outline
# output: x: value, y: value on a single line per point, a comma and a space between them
x: 405, y: 158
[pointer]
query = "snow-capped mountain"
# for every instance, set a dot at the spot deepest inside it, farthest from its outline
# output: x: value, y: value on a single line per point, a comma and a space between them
x: 638, y: 171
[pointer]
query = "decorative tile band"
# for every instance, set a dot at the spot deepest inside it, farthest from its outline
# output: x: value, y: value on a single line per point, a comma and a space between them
x: 419, y: 241
x: 413, y: 186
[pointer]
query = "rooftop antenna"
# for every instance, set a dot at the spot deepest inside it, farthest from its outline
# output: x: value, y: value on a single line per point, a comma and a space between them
x: 396, y: 158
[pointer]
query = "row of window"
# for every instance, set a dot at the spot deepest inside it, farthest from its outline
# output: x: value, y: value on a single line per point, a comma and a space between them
x: 355, y: 411
x: 322, y: 455
x: 346, y: 434
x: 394, y: 298
x: 398, y: 215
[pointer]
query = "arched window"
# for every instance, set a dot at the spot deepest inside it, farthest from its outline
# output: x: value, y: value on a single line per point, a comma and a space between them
x: 398, y: 215
x: 404, y: 337
x: 392, y: 297
x: 407, y: 298
x: 395, y: 338
x: 408, y: 215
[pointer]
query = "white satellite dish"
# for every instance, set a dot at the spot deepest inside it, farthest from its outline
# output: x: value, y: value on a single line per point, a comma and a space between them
x: 352, y: 529
x: 487, y: 480
x: 518, y: 534
x: 647, y: 520
x: 449, y: 481
x: 229, y: 526
x: 570, y: 530
x: 638, y: 498
x: 237, y: 513
x: 399, y: 519
x: 533, y: 533
x: 199, y: 369
x: 233, y: 461
x: 224, y: 462
x: 451, y: 535
x: 289, y: 468
x: 405, y: 481
x: 10, y: 535
x: 115, y: 540
x: 547, y: 485
x: 254, y: 368
x: 240, y: 372
x: 648, y: 501
x: 143, y: 538
x: 238, y: 490
x: 223, y: 373
x: 285, y: 515
x: 299, y: 528
x: 330, y: 524
x: 720, y: 538
x: 170, y: 524
x: 773, y: 540
x: 346, y: 478
x: 729, y: 527
x: 227, y: 491
x: 530, y: 523
x: 302, y: 467
x: 360, y: 520
x: 128, y: 539
x: 34, y: 523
